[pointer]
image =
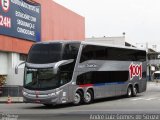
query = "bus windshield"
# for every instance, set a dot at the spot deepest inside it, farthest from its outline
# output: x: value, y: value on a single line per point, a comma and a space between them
x: 45, y: 53
x: 41, y: 79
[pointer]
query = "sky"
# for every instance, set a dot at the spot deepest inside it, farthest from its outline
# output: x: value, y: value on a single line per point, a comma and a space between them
x: 139, y: 19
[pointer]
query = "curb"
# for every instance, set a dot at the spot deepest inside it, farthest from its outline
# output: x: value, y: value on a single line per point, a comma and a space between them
x: 5, y: 102
x: 12, y: 100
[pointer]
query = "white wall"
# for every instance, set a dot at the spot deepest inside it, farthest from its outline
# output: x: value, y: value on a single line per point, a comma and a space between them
x: 8, y: 61
x: 12, y: 78
x: 3, y: 63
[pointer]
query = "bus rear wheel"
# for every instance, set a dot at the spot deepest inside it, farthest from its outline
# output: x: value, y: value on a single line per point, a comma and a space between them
x: 78, y: 98
x: 135, y: 91
x: 129, y: 91
x: 88, y: 97
x: 49, y: 105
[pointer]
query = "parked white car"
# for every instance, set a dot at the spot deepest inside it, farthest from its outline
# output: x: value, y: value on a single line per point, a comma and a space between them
x: 156, y: 75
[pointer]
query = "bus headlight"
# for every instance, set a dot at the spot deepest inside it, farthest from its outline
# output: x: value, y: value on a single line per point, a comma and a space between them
x: 52, y: 94
x: 24, y: 93
x: 58, y: 91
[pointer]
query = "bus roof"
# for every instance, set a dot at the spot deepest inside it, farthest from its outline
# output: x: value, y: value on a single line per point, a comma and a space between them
x: 88, y: 43
x: 109, y: 45
x: 59, y: 41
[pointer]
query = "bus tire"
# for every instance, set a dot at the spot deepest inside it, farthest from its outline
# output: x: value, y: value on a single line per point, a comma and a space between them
x: 78, y: 98
x: 48, y: 105
x: 135, y: 91
x: 129, y: 91
x: 88, y: 97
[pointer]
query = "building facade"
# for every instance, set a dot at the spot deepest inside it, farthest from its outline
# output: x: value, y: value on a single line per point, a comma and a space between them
x: 56, y: 23
x: 153, y: 63
x: 120, y: 41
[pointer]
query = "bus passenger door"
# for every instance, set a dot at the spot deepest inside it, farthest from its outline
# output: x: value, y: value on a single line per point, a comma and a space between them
x: 64, y: 79
x: 65, y: 76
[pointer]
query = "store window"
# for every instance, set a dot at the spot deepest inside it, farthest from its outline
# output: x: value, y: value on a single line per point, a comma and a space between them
x: 23, y: 57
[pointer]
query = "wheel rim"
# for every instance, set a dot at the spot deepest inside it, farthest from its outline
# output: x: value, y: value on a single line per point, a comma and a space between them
x: 77, y: 98
x: 129, y: 92
x: 88, y: 97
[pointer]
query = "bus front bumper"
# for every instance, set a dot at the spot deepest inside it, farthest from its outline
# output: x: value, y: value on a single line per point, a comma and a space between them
x: 41, y: 99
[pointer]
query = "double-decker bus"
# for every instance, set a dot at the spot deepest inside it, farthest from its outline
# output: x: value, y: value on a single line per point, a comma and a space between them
x: 60, y: 72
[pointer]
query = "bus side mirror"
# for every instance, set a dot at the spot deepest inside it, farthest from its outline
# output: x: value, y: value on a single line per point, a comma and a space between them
x: 60, y: 63
x: 16, y: 68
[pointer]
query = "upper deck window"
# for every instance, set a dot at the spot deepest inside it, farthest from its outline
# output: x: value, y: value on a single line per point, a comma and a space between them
x: 45, y: 53
x: 93, y: 52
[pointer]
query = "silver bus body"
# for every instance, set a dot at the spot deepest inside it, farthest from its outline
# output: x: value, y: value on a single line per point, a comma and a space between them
x: 104, y: 76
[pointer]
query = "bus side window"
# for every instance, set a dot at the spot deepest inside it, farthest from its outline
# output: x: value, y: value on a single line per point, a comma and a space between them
x: 97, y: 77
x: 87, y: 53
x: 80, y: 80
x: 71, y: 51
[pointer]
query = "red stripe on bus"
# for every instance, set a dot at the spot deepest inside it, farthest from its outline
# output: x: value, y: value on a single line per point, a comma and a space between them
x: 86, y: 85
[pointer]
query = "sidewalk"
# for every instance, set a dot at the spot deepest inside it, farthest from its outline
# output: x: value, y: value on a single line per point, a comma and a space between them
x: 13, y: 99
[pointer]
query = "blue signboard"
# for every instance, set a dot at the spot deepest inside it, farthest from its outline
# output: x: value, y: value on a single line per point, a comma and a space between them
x: 20, y: 19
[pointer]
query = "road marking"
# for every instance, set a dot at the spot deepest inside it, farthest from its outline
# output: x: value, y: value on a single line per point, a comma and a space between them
x: 137, y: 99
x: 143, y: 99
x: 153, y: 84
x: 150, y: 98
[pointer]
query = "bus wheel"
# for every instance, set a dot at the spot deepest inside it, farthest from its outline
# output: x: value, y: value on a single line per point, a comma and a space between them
x: 48, y: 105
x: 135, y: 91
x: 88, y: 97
x: 129, y: 91
x: 78, y: 98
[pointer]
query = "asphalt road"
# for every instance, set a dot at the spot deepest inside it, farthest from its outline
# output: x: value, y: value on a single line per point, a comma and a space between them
x: 145, y: 105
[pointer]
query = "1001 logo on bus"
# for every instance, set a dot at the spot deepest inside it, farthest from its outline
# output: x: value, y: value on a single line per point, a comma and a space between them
x: 135, y: 70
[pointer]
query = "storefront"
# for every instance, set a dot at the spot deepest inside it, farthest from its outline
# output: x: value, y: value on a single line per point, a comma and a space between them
x: 24, y: 22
